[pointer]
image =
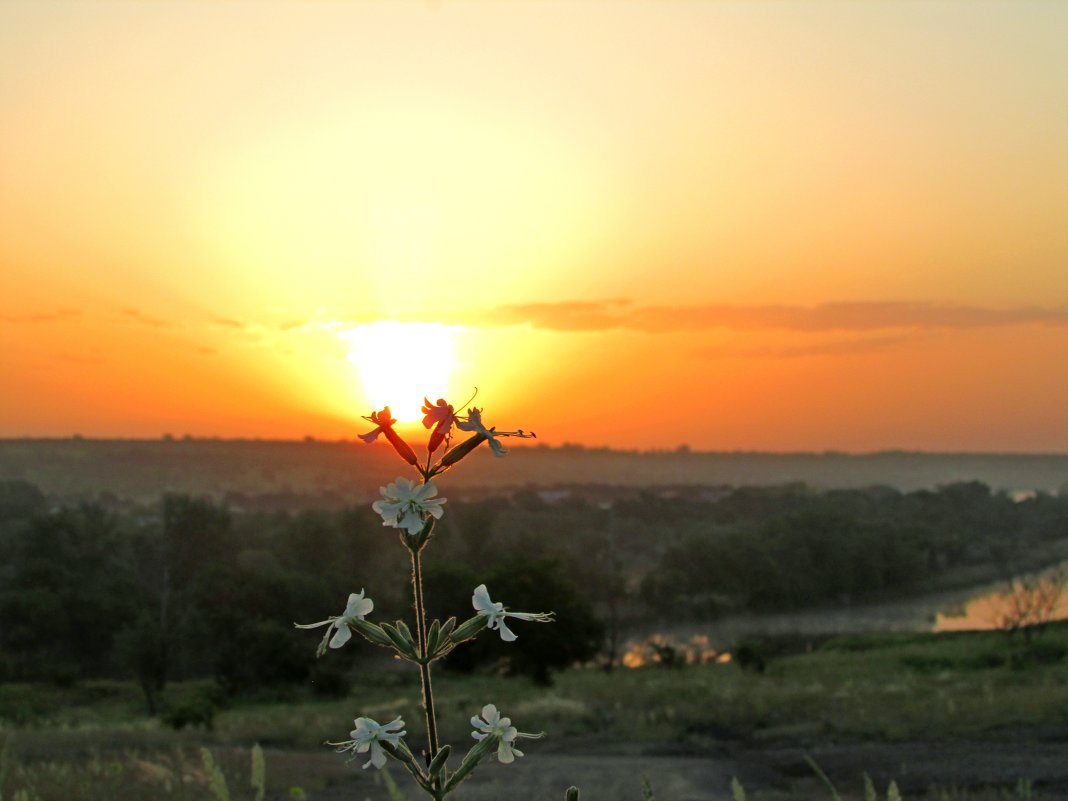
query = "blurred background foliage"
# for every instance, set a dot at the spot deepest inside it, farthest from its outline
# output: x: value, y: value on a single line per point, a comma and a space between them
x: 195, y: 588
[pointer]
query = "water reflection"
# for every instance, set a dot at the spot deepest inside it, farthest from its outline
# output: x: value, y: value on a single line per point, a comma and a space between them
x: 983, y: 607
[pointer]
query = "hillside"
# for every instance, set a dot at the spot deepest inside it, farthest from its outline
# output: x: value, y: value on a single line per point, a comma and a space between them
x: 343, y: 472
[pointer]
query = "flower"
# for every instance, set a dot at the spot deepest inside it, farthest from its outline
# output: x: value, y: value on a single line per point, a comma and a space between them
x: 384, y: 421
x: 495, y: 613
x: 369, y: 736
x: 405, y: 502
x: 440, y: 413
x: 355, y: 609
x: 491, y: 724
x: 474, y: 423
x: 441, y: 417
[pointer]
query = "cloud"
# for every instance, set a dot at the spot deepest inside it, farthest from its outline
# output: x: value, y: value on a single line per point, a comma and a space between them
x: 566, y: 315
x: 228, y: 322
x: 42, y: 317
x: 857, y: 316
x: 139, y: 316
x: 848, y: 347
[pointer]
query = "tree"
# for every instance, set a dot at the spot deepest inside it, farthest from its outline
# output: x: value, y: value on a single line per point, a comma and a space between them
x: 1030, y: 601
x: 67, y: 589
x: 142, y: 646
x: 540, y: 586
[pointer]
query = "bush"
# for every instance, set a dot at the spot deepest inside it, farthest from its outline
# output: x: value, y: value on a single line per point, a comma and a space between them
x: 192, y: 705
x: 751, y: 655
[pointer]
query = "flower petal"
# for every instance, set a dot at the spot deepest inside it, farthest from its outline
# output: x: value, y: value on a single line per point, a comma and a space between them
x: 481, y: 600
x: 343, y: 635
x: 504, y: 753
x: 506, y: 633
x: 378, y: 756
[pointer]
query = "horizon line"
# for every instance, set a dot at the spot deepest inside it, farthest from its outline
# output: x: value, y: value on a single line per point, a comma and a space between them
x: 679, y: 450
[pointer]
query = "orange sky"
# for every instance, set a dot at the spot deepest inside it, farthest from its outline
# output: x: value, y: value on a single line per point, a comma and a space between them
x: 749, y: 225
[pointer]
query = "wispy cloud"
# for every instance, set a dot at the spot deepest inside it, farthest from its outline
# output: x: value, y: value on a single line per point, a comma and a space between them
x: 42, y: 317
x: 858, y: 316
x: 228, y: 322
x: 138, y: 316
x: 847, y: 347
x: 567, y: 315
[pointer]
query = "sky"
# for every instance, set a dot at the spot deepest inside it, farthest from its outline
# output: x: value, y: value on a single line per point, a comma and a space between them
x: 732, y: 225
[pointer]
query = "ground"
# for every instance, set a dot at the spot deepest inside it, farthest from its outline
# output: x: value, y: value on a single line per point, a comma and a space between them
x: 775, y: 771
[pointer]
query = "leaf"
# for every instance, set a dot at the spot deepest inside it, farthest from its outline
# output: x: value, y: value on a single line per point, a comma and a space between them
x: 869, y: 789
x: 439, y: 760
x: 823, y: 778
x: 259, y: 773
x: 216, y: 779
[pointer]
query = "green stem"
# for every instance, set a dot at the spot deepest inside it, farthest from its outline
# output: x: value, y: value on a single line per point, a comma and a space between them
x: 424, y: 665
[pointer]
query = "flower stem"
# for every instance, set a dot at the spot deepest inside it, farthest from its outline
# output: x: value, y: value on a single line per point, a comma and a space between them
x: 424, y: 665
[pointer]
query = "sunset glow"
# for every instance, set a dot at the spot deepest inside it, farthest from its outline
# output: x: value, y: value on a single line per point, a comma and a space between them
x: 400, y: 364
x: 734, y: 225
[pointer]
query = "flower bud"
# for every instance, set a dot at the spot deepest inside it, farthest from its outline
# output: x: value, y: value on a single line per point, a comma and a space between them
x: 400, y: 446
x: 468, y: 629
x: 460, y: 451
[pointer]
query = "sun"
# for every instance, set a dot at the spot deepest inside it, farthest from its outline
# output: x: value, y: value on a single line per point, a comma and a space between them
x: 401, y: 363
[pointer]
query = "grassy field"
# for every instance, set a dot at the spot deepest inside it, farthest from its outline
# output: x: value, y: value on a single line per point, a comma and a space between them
x: 93, y: 741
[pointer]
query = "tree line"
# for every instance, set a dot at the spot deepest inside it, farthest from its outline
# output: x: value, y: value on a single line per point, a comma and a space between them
x: 189, y: 588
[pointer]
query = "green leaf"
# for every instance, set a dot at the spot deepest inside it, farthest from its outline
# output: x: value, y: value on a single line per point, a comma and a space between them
x: 402, y: 646
x: 371, y: 632
x: 432, y: 638
x: 471, y: 760
x: 216, y: 780
x: 869, y: 789
x: 258, y: 781
x: 439, y: 760
x: 406, y: 633
x: 823, y: 778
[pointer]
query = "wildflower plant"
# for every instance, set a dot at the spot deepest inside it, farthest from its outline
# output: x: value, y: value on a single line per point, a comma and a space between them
x: 413, y: 507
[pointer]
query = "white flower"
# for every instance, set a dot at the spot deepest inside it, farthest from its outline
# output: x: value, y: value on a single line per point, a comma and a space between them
x: 474, y: 423
x: 368, y: 735
x: 495, y: 613
x: 405, y: 502
x: 491, y: 724
x: 355, y: 609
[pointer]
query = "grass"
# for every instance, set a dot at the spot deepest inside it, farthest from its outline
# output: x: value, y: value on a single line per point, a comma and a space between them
x: 93, y: 741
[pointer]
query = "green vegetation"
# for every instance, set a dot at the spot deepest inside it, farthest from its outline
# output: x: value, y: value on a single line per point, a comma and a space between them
x: 189, y: 588
x: 132, y: 637
x: 93, y: 737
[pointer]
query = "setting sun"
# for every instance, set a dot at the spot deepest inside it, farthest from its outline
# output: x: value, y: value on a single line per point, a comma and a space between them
x: 773, y: 224
x: 401, y: 363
